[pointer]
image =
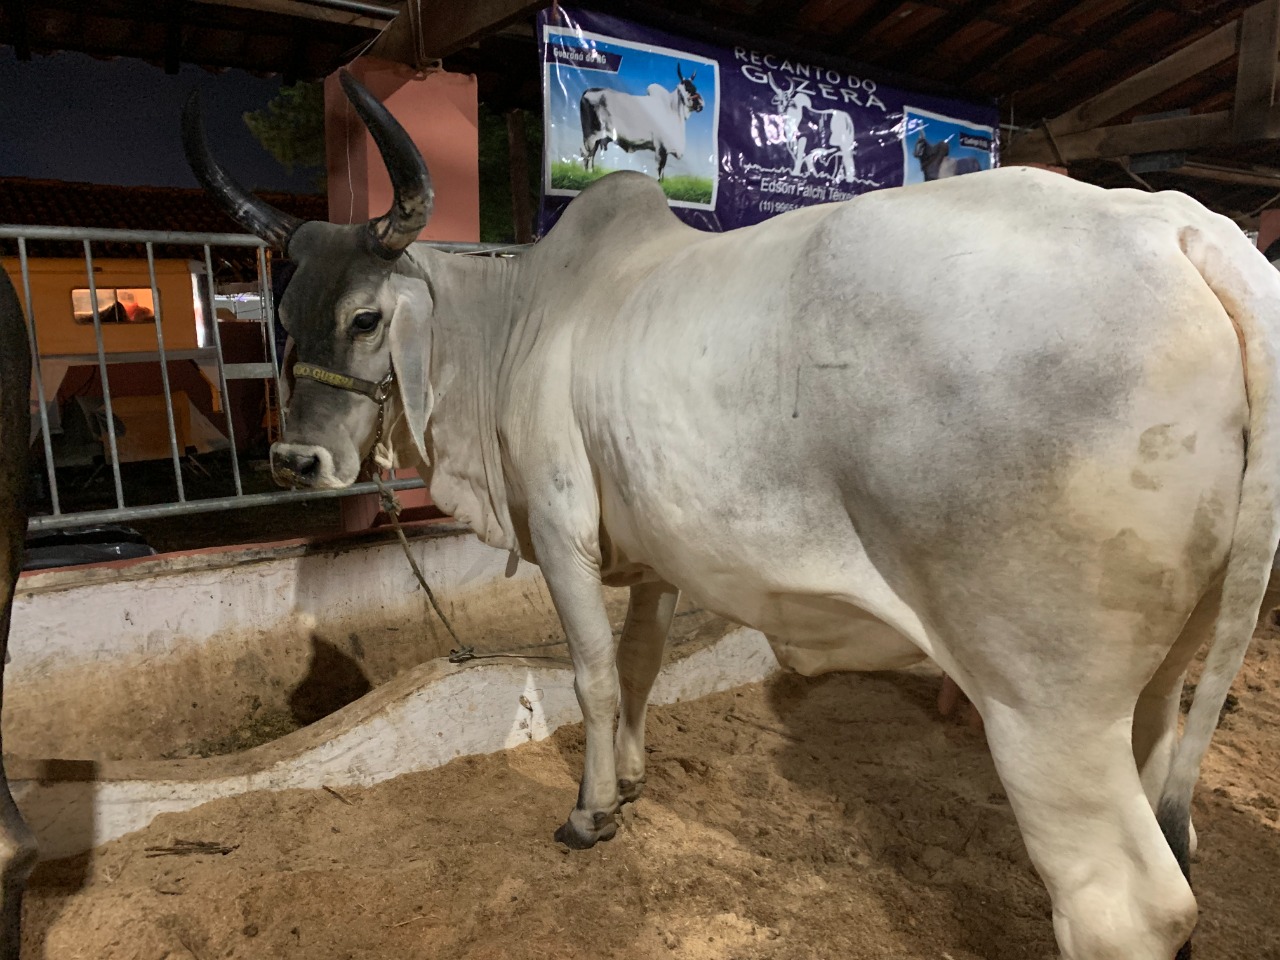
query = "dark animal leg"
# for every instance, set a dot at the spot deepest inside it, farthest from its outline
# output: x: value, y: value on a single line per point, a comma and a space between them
x: 17, y: 846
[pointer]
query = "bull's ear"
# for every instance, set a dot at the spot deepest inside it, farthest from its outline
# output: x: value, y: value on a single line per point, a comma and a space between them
x: 410, y: 341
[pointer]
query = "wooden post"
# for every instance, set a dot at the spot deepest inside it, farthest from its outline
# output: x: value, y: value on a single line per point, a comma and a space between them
x: 1256, y: 73
x: 518, y: 147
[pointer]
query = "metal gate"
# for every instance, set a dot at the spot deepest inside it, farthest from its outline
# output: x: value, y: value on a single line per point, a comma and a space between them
x: 145, y: 306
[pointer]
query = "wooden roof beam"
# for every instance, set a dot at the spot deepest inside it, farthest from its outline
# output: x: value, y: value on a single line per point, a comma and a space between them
x: 1075, y: 135
x: 443, y: 27
x: 306, y: 11
x: 1204, y: 53
x: 1125, y: 139
x: 1252, y: 176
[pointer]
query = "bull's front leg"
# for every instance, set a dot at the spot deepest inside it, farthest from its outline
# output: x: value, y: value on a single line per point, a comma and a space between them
x: 571, y: 566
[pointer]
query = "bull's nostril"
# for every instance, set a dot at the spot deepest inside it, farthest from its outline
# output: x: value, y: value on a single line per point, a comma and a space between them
x: 306, y: 467
x: 291, y: 467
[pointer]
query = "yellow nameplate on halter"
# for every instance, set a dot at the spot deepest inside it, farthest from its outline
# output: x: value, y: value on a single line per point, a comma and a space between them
x: 375, y: 391
x: 324, y: 376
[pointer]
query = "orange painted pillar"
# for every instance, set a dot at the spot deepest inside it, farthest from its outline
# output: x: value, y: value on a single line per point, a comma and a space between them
x: 439, y: 111
x: 1268, y: 228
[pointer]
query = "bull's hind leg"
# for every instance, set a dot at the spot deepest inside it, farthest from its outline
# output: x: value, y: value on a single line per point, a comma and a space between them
x: 1059, y: 716
x: 644, y: 638
x: 1117, y: 891
x: 1155, y: 718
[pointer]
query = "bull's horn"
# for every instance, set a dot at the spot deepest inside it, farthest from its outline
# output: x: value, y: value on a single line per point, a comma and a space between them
x: 392, y: 232
x: 262, y: 219
x: 678, y: 73
x: 776, y: 89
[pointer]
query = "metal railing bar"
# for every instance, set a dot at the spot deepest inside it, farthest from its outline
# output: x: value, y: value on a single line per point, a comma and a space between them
x: 269, y: 323
x: 164, y: 374
x: 102, y: 369
x: 38, y: 374
x: 482, y: 249
x: 14, y: 231
x: 135, y: 356
x: 222, y: 371
x: 248, y: 371
x: 211, y: 505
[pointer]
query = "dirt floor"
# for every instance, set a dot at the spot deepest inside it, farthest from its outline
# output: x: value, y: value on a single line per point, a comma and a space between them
x: 792, y: 820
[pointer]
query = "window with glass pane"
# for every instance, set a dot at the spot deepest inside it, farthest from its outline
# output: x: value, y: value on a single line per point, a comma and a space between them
x: 115, y: 305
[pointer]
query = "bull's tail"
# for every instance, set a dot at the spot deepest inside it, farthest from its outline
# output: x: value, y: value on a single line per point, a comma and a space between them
x: 1249, y: 289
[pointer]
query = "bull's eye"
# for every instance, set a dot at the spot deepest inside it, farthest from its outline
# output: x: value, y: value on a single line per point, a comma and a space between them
x: 365, y: 321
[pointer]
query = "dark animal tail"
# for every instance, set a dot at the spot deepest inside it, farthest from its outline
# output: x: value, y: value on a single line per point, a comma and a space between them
x: 1249, y: 290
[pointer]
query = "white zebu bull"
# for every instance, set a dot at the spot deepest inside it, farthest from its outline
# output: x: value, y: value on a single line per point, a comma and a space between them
x: 654, y: 122
x: 814, y: 135
x: 1020, y: 451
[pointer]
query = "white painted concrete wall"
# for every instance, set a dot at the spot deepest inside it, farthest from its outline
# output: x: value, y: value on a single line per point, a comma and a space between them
x: 156, y: 607
x: 416, y: 722
x: 193, y: 646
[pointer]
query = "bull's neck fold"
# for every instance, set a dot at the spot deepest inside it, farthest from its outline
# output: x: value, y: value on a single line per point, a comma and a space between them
x: 470, y: 328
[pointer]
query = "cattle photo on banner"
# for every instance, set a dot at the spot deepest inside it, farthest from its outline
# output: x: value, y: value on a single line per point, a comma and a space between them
x: 734, y: 135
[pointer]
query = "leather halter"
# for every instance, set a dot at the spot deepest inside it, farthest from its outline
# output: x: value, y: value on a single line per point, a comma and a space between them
x: 379, y: 393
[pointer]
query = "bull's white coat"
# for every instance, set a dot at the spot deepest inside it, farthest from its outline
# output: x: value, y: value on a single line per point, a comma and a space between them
x: 996, y: 420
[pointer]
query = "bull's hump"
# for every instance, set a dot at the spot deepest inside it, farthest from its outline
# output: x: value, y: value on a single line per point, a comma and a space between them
x: 626, y: 201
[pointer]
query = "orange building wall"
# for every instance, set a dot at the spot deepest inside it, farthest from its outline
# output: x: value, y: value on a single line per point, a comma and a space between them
x: 52, y: 281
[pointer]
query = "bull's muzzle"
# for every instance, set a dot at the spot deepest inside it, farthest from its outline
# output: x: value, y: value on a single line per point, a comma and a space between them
x: 302, y: 465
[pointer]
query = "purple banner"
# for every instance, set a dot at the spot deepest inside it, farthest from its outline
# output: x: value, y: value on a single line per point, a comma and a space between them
x: 734, y: 135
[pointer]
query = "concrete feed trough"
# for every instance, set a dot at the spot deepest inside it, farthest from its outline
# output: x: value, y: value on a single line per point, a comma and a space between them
x: 151, y: 686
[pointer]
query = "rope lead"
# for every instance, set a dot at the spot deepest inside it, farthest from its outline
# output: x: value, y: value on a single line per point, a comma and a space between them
x: 391, y: 504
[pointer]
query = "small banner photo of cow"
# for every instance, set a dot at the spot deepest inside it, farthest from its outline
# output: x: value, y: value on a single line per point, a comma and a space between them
x: 614, y: 105
x: 935, y: 147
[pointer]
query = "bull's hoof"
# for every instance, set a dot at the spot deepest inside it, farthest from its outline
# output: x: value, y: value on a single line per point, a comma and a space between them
x: 583, y: 830
x: 629, y: 790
